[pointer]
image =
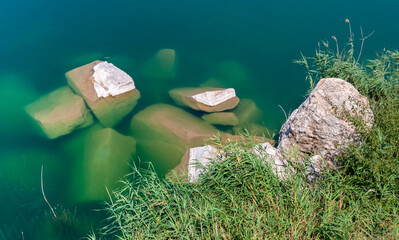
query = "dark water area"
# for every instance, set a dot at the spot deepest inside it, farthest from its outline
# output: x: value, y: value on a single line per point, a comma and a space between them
x: 253, y: 42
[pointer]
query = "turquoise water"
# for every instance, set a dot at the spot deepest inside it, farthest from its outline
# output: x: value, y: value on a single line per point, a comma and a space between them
x: 249, y: 45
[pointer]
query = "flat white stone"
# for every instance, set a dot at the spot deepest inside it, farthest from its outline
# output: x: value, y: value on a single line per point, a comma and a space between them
x: 110, y: 80
x: 213, y: 98
x: 199, y: 159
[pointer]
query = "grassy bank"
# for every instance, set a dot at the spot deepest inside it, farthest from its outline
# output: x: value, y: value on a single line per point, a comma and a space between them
x: 240, y: 198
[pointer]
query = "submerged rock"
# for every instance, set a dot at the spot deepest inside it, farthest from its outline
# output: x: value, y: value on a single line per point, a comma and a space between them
x: 221, y: 118
x: 319, y: 125
x: 247, y: 112
x: 205, y: 99
x: 213, y: 82
x: 102, y: 158
x: 107, y: 90
x: 164, y: 132
x: 233, y: 73
x: 161, y: 66
x: 60, y: 112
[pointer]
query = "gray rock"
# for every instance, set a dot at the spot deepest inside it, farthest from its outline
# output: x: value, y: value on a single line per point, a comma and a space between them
x: 275, y: 159
x: 319, y: 127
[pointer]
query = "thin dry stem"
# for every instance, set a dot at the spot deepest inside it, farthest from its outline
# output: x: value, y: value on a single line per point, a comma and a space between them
x: 285, y: 114
x: 109, y: 195
x: 336, y: 43
x: 44, y: 195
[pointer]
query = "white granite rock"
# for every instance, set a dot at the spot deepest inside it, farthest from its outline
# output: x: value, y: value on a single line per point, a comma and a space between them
x: 213, y: 98
x: 110, y: 80
x: 320, y: 126
x: 199, y: 159
x: 276, y: 160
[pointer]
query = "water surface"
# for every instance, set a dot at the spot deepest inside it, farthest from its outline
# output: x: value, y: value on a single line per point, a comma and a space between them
x: 253, y: 42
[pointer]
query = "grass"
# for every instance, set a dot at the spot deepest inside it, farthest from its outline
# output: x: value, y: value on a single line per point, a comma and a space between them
x: 240, y: 198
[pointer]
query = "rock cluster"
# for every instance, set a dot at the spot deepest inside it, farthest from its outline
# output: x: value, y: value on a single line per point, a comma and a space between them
x: 102, y: 155
x: 174, y: 138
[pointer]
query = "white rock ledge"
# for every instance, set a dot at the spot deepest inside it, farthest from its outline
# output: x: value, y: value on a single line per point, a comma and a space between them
x: 213, y: 98
x: 110, y: 80
x: 199, y: 159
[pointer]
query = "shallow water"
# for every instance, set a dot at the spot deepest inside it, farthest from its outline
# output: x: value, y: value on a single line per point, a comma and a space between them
x: 246, y: 45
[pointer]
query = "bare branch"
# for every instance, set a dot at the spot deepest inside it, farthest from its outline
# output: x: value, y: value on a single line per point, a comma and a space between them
x: 363, y: 38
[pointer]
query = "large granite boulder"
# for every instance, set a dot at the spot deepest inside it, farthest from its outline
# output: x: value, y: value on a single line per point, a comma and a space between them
x: 205, y: 99
x: 221, y: 118
x: 164, y: 132
x: 161, y: 66
x: 60, y: 112
x: 107, y: 90
x: 321, y: 125
x: 102, y: 157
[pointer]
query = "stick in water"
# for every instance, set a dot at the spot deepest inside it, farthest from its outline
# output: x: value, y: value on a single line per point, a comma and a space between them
x: 44, y: 196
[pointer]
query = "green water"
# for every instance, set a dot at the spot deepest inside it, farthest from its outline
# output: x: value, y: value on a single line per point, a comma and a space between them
x: 248, y: 45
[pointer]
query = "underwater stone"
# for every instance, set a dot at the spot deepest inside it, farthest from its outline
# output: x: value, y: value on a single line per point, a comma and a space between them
x: 161, y: 66
x: 102, y: 158
x: 60, y: 112
x: 221, y: 118
x: 247, y: 112
x: 205, y: 99
x: 170, y: 128
x: 107, y: 81
x: 233, y: 73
